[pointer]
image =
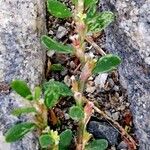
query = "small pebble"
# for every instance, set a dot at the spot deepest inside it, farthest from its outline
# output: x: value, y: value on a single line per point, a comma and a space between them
x: 90, y: 89
x: 50, y: 53
x: 111, y: 82
x: 67, y: 24
x: 116, y: 88
x: 121, y: 108
x: 127, y: 104
x: 90, y: 78
x: 108, y: 113
x: 113, y: 148
x: 122, y: 146
x: 117, y: 95
x: 67, y: 117
x: 100, y: 80
x: 51, y: 32
x: 91, y: 83
x: 120, y: 99
x: 72, y: 65
x: 67, y: 80
x: 115, y: 116
x: 61, y: 32
x: 64, y: 72
x: 113, y: 111
x: 90, y: 55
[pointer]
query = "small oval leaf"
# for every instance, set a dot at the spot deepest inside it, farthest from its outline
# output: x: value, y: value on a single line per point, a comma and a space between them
x: 107, y: 63
x: 76, y: 113
x: 100, y: 144
x: 51, y: 98
x: 22, y: 89
x: 59, y: 87
x: 56, y: 67
x: 65, y: 139
x: 99, y: 21
x: 25, y: 110
x: 54, y: 45
x: 37, y: 93
x: 89, y: 3
x: 18, y: 131
x: 58, y: 9
x: 53, y: 90
x: 46, y: 141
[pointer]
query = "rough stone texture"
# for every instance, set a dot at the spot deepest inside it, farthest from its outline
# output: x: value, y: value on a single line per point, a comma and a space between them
x: 129, y: 37
x: 22, y: 22
x: 102, y: 130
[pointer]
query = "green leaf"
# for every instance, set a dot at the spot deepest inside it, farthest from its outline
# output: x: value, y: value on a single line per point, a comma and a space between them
x: 100, y: 144
x: 29, y: 97
x: 58, y: 87
x: 46, y: 141
x: 75, y: 1
x: 65, y: 139
x: 91, y: 13
x: 25, y: 110
x: 58, y: 9
x: 56, y: 67
x: 51, y: 99
x: 22, y: 89
x: 18, y: 131
x: 89, y: 3
x: 107, y: 63
x: 37, y: 93
x: 76, y: 113
x: 54, y: 45
x: 55, y: 136
x: 99, y: 21
x: 64, y: 90
x: 53, y: 90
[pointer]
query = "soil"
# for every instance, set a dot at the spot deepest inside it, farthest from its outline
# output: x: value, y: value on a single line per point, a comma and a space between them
x: 111, y: 97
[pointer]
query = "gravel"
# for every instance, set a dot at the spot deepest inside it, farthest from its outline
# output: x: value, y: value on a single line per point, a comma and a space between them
x: 61, y: 32
x: 115, y: 116
x: 100, y: 80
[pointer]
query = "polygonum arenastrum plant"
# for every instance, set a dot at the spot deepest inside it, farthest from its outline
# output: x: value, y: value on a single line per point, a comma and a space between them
x: 87, y: 23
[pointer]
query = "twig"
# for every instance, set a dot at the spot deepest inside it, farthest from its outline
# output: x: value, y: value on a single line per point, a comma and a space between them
x: 116, y: 124
x: 78, y: 67
x: 90, y: 40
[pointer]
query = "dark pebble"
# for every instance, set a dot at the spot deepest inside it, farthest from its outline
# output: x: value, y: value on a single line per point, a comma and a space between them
x: 103, y: 130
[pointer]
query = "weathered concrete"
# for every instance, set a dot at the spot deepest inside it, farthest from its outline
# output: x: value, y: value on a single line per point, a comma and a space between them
x: 22, y: 22
x: 129, y: 37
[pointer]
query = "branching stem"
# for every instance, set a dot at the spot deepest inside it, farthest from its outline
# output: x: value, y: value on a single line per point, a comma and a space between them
x: 81, y: 30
